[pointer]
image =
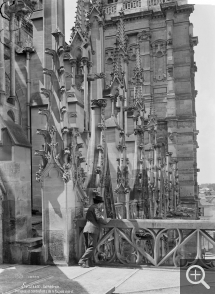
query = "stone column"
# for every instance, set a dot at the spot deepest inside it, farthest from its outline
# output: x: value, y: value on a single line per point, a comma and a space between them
x: 144, y: 40
x: 1, y: 228
x: 100, y: 60
x: 60, y: 204
x: 73, y: 66
x: 101, y: 30
x: 2, y: 65
x: 57, y: 210
x: 28, y: 49
x: 86, y: 105
x: 53, y: 18
x: 171, y: 98
x: 90, y: 92
x: 94, y: 153
x: 28, y: 93
x: 126, y: 95
x: 11, y: 99
x: 97, y: 107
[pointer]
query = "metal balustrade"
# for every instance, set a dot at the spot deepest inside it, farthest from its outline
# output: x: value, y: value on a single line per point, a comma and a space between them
x: 110, y: 9
x: 131, y: 4
x: 156, y: 2
x: 154, y: 242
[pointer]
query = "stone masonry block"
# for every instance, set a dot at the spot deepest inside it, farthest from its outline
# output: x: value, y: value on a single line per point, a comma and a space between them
x: 56, y: 243
x: 182, y: 87
x: 185, y: 164
x: 55, y: 219
x: 182, y: 57
x: 185, y: 139
x: 181, y: 35
x: 186, y: 191
x: 182, y: 72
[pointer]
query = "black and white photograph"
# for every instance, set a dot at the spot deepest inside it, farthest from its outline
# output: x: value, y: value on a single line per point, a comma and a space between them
x: 107, y: 146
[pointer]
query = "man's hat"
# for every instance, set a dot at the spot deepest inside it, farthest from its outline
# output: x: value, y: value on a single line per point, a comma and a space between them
x: 98, y: 199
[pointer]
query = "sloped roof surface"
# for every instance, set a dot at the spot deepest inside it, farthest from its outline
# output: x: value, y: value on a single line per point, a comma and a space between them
x: 17, y: 134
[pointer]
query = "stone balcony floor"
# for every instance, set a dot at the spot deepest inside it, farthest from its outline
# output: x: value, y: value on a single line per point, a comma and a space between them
x: 98, y: 280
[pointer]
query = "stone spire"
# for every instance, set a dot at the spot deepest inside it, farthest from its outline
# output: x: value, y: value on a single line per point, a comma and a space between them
x: 80, y: 14
x: 96, y: 4
x: 121, y: 37
x: 81, y: 21
x: 152, y: 108
x: 120, y: 50
x: 117, y: 65
x: 138, y: 80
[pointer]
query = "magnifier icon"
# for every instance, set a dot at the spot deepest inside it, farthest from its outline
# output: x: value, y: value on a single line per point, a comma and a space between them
x: 195, y: 274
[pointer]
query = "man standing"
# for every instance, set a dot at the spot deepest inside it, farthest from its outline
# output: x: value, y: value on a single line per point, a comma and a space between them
x: 92, y: 229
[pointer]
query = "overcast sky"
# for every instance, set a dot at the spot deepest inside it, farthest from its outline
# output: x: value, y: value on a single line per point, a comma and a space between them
x: 203, y: 20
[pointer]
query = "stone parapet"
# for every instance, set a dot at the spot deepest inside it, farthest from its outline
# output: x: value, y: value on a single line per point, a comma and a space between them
x: 160, y: 242
x: 136, y: 6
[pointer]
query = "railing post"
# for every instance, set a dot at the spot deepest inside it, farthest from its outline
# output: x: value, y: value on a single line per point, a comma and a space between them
x: 199, y: 249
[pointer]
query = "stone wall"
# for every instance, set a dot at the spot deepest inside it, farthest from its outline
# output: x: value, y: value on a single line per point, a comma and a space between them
x: 39, y: 122
x: 16, y: 177
x: 1, y: 227
x: 167, y: 60
x: 60, y: 206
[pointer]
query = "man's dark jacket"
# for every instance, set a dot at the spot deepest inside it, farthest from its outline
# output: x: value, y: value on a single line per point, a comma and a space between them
x: 94, y: 219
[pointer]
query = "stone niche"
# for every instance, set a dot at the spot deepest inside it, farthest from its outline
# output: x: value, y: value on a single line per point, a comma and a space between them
x: 15, y: 175
x: 159, y: 60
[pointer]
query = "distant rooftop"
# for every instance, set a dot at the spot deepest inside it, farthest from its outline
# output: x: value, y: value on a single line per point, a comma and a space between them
x: 206, y: 190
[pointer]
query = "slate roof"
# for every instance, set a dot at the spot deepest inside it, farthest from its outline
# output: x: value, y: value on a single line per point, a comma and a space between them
x: 16, y: 133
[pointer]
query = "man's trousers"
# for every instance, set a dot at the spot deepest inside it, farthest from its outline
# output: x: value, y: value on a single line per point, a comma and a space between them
x: 90, y: 244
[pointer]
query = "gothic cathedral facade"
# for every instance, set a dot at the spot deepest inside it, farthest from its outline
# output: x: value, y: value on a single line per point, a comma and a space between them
x: 112, y: 113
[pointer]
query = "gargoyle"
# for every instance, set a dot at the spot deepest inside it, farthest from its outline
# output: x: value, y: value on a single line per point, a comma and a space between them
x: 94, y: 76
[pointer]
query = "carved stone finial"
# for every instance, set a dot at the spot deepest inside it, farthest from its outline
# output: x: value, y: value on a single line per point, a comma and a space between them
x: 99, y: 102
x: 51, y: 52
x: 94, y: 76
x: 48, y: 72
x: 57, y: 33
x: 45, y: 134
x: 46, y: 92
x: 61, y: 70
x: 45, y: 112
x: 28, y: 46
x: 60, y: 50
